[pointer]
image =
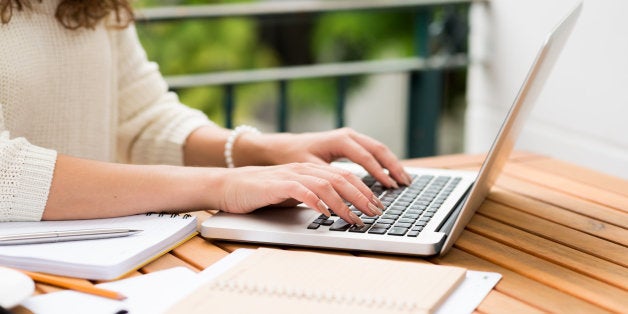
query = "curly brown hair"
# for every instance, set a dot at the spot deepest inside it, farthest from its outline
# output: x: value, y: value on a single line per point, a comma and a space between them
x: 74, y: 14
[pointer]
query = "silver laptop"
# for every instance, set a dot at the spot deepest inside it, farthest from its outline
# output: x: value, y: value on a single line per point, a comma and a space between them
x: 424, y: 218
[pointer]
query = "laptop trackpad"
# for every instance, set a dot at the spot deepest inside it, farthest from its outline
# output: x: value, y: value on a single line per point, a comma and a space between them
x: 286, y: 218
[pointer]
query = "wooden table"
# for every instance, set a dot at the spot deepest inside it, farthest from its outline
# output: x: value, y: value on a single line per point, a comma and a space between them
x: 557, y: 232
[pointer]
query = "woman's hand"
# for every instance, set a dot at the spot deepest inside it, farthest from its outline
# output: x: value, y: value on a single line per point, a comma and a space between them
x: 323, y: 148
x: 244, y: 189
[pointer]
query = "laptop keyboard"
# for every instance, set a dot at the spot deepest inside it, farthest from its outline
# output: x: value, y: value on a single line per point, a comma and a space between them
x: 408, y: 209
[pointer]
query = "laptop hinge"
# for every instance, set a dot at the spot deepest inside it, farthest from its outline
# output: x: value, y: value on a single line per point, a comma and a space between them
x: 448, y: 223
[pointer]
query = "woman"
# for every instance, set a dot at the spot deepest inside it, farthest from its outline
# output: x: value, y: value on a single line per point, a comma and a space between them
x: 88, y: 129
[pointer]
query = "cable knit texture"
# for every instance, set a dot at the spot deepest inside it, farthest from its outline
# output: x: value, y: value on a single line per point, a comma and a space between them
x: 85, y: 93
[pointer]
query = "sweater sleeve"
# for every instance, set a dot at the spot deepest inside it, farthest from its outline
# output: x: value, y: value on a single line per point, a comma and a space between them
x: 26, y: 173
x: 153, y: 124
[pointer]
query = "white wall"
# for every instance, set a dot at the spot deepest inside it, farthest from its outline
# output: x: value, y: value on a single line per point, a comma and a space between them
x: 582, y: 114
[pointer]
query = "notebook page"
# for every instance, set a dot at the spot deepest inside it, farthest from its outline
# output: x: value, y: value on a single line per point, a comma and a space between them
x: 290, y: 281
x: 83, y: 258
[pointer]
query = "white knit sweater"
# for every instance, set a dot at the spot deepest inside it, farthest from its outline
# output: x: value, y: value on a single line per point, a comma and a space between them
x: 84, y: 93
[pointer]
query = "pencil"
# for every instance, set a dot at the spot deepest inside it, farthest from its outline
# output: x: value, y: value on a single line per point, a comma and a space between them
x: 67, y: 283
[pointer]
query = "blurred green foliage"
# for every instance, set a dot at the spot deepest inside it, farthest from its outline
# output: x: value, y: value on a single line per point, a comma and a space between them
x: 196, y: 46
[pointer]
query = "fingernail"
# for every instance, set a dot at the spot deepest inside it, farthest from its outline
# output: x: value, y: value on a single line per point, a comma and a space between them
x: 393, y: 184
x: 378, y: 203
x: 356, y: 220
x: 408, y: 177
x: 323, y: 209
x: 376, y: 211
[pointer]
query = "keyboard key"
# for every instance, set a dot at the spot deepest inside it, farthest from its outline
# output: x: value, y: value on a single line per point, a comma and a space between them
x: 340, y: 225
x: 377, y: 230
x: 391, y: 216
x: 397, y: 231
x: 411, y: 216
x: 406, y: 220
x: 313, y: 226
x: 417, y: 228
x: 368, y: 220
x: 402, y: 225
x: 386, y: 221
x: 362, y: 229
x: 368, y: 180
x: 383, y: 226
x: 357, y: 212
x: 328, y: 222
x: 413, y: 233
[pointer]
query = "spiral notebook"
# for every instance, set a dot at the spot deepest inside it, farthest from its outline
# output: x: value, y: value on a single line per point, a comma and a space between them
x: 281, y: 281
x: 101, y: 259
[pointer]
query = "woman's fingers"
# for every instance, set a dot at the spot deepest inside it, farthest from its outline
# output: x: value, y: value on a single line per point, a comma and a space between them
x: 374, y: 156
x: 384, y: 156
x: 334, y: 186
x: 298, y: 191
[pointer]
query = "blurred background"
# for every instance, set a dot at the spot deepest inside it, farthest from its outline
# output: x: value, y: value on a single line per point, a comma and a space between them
x: 426, y: 77
x: 348, y: 63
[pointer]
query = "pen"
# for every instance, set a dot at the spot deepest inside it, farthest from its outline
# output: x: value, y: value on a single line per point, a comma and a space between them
x: 65, y: 235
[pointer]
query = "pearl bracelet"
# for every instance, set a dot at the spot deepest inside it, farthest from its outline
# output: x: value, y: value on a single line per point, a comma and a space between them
x: 231, y: 140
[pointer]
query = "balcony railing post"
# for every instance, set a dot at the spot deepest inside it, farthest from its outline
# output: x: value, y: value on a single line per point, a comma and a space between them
x: 228, y: 103
x: 425, y: 96
x: 341, y: 96
x: 282, y: 111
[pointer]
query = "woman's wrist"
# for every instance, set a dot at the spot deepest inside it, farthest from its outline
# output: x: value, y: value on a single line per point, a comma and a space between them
x: 259, y: 149
x: 236, y: 133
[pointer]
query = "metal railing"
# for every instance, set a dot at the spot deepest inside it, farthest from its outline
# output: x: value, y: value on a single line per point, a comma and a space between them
x: 426, y: 69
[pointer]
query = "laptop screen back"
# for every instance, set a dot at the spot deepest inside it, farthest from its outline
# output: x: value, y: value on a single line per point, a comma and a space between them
x: 513, y: 123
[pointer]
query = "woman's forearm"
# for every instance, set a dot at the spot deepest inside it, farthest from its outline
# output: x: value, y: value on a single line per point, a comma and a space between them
x: 91, y: 189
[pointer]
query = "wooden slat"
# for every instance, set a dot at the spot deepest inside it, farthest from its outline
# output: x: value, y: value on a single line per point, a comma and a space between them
x: 20, y: 310
x: 166, y: 261
x: 465, y: 161
x: 519, y: 287
x: 497, y: 303
x: 570, y: 187
x: 582, y: 175
x: 565, y: 235
x: 447, y: 161
x: 201, y: 216
x: 564, y: 200
x: 199, y: 253
x: 232, y: 246
x: 581, y: 286
x: 556, y: 253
